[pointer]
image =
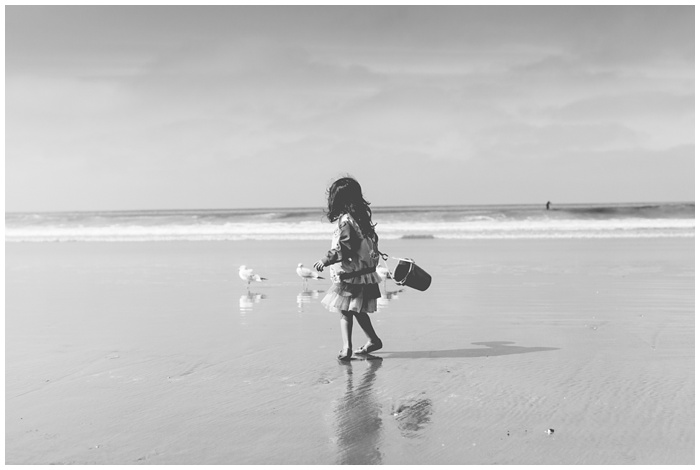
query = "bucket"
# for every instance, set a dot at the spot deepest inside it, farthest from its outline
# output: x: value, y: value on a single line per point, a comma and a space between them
x: 408, y: 273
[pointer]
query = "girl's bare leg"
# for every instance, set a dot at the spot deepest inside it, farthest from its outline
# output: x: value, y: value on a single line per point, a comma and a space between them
x: 366, y: 324
x: 346, y: 333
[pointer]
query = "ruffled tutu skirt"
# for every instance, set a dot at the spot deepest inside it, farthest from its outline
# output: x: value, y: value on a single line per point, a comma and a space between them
x: 344, y: 297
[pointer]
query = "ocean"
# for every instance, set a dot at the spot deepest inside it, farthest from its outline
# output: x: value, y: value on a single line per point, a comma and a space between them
x: 641, y: 220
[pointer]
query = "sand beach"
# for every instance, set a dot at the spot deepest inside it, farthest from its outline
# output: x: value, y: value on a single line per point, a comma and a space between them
x: 157, y: 353
x: 537, y: 160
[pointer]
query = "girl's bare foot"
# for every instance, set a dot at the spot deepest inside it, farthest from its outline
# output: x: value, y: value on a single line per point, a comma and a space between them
x: 345, y: 354
x: 371, y: 346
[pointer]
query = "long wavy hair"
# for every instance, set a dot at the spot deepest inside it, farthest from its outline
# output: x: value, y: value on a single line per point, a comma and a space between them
x: 345, y: 197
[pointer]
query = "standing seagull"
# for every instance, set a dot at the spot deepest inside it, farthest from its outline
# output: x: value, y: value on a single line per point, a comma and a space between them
x: 384, y: 273
x: 306, y: 273
x: 247, y: 275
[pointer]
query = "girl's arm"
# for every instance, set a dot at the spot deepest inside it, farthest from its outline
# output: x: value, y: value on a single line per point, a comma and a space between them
x: 339, y: 252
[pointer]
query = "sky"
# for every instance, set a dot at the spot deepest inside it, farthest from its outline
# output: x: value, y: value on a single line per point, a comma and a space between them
x: 214, y: 107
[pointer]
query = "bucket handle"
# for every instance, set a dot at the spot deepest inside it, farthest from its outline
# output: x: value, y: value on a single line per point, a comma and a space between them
x: 385, y: 257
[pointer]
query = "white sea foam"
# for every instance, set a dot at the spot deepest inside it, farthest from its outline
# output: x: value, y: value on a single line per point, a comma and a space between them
x: 315, y: 230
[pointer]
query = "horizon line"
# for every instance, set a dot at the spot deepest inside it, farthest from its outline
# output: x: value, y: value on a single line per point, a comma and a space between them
x: 283, y: 208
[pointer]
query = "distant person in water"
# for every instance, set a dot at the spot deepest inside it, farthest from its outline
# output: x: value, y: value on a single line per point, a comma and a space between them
x: 353, y: 259
x: 548, y: 203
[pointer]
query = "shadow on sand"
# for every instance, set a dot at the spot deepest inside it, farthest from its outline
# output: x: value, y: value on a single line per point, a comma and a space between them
x: 493, y: 348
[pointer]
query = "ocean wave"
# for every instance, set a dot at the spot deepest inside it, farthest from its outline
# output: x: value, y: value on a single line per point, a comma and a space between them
x: 291, y: 238
x: 440, y: 222
x: 278, y: 230
x: 633, y: 211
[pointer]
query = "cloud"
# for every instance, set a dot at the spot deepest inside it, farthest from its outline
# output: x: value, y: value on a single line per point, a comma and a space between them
x: 627, y: 105
x: 180, y: 103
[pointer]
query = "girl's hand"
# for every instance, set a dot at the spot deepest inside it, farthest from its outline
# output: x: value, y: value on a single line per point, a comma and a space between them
x: 319, y: 266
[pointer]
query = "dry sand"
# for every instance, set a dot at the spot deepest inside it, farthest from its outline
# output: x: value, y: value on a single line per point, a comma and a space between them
x: 155, y: 353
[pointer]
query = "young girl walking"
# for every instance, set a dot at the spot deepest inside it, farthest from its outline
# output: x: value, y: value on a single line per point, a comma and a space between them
x: 353, y: 259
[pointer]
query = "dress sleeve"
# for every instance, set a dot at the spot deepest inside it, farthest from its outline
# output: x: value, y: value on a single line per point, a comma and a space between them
x: 342, y: 249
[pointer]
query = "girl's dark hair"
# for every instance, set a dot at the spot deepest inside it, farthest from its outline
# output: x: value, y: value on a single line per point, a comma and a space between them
x: 345, y: 196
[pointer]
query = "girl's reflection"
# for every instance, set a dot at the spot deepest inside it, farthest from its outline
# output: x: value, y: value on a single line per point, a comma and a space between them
x: 358, y: 417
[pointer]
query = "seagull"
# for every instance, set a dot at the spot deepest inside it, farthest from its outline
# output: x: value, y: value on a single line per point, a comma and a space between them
x: 247, y: 275
x: 306, y: 273
x: 384, y: 273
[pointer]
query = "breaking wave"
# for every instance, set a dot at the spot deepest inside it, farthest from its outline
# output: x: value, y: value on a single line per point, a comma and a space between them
x: 439, y: 222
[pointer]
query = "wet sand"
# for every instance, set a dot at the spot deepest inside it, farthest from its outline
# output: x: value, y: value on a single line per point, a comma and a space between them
x: 156, y: 353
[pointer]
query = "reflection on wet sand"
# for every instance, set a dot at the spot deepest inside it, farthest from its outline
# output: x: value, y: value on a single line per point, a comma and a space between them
x: 413, y: 414
x: 387, y: 296
x: 306, y: 296
x: 245, y: 303
x: 358, y: 416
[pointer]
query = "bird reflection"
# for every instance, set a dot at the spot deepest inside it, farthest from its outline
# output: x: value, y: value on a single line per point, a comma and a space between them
x: 306, y: 296
x: 387, y: 297
x: 246, y: 302
x: 358, y: 417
